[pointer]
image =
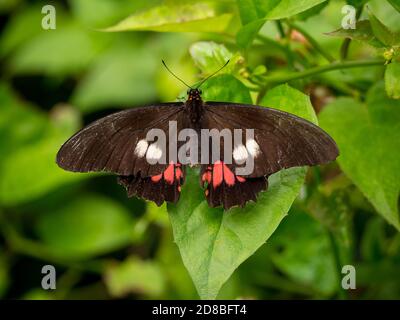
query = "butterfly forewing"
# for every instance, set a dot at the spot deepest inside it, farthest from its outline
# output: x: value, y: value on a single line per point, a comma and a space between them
x: 281, y: 140
x: 116, y: 143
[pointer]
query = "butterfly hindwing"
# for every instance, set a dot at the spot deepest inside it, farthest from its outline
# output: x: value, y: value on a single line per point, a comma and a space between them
x: 165, y: 186
x: 223, y: 187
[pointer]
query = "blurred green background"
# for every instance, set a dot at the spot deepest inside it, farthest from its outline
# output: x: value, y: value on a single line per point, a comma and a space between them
x: 106, y: 246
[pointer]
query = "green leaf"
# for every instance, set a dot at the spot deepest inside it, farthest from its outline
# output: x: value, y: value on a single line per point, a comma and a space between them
x: 259, y: 70
x: 362, y: 32
x: 287, y: 8
x: 392, y: 80
x: 32, y: 172
x: 20, y: 125
x: 180, y: 285
x: 214, y: 89
x: 369, y: 144
x: 312, y: 11
x: 121, y: 77
x: 209, y: 56
x: 386, y: 13
x: 135, y: 276
x: 21, y: 27
x: 301, y: 249
x: 247, y: 10
x: 64, y: 51
x: 29, y: 171
x: 381, y: 31
x: 395, y: 4
x: 84, y: 227
x: 247, y: 33
x: 213, y: 243
x: 286, y: 98
x: 251, y: 17
x: 255, y: 13
x: 330, y: 206
x: 100, y: 13
x: 274, y: 9
x: 197, y: 17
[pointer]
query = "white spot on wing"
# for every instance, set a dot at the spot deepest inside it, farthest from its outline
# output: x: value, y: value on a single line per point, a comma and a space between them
x: 240, y: 153
x: 141, y: 148
x: 154, y: 152
x: 252, y: 147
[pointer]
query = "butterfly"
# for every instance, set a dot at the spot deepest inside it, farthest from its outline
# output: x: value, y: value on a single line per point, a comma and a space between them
x: 119, y: 143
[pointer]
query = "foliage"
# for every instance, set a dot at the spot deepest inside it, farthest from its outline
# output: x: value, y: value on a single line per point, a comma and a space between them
x: 293, y: 55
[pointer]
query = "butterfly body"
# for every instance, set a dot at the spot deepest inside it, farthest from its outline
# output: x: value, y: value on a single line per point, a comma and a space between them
x: 150, y: 169
x: 194, y: 106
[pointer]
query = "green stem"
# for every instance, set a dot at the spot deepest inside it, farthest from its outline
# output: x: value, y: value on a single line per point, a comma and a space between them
x: 321, y: 69
x: 283, y: 35
x: 280, y: 29
x: 313, y: 42
x: 338, y: 263
x: 344, y: 49
x: 277, y: 79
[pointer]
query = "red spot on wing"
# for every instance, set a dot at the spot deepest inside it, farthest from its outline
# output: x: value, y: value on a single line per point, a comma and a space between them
x: 207, y: 176
x: 217, y: 176
x: 240, y: 179
x: 221, y: 173
x: 172, y: 172
x: 178, y: 173
x: 169, y: 174
x: 156, y: 178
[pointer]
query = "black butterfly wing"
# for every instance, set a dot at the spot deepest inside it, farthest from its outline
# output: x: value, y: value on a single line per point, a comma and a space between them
x: 117, y: 144
x: 281, y: 140
x: 225, y: 188
x: 109, y: 143
x: 157, y: 188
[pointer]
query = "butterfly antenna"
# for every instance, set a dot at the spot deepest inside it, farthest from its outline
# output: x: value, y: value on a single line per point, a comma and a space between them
x: 213, y: 74
x: 169, y: 70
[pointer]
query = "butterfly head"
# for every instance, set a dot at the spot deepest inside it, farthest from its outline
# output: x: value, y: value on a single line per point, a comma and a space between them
x: 194, y: 94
